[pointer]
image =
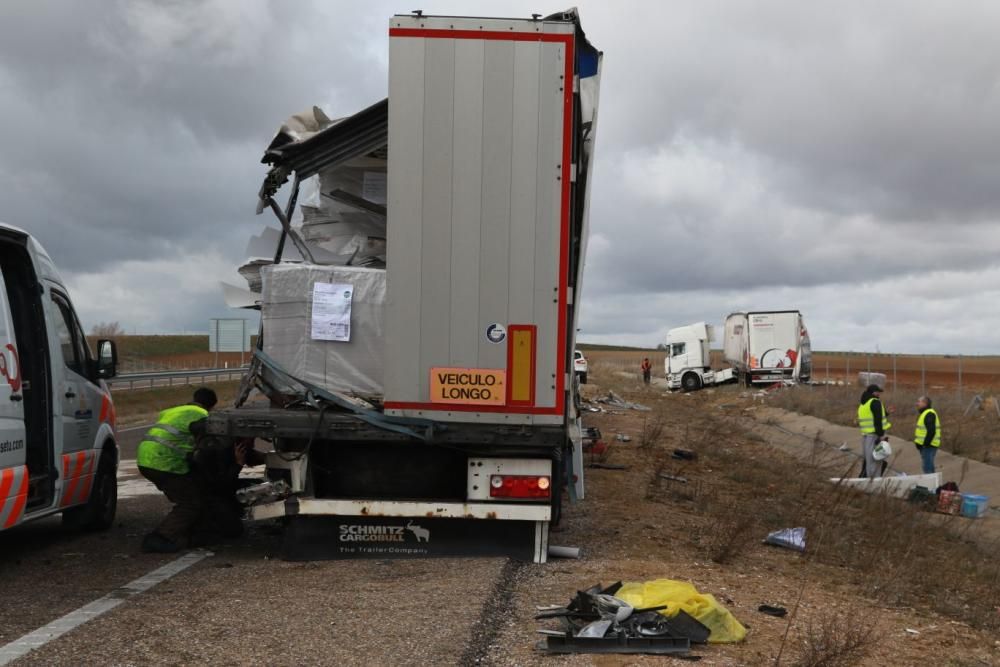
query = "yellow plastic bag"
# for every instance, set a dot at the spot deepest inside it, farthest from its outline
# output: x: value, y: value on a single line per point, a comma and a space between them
x: 678, y: 595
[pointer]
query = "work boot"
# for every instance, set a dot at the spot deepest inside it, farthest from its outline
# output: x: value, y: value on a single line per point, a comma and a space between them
x: 154, y: 543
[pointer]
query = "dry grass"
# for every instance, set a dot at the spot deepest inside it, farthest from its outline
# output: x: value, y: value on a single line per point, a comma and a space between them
x: 744, y: 488
x: 837, y: 639
x: 138, y: 405
x: 976, y: 435
x: 653, y: 426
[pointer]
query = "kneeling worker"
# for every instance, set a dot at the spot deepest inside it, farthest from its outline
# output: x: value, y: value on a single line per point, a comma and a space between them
x: 164, y: 458
x: 928, y: 434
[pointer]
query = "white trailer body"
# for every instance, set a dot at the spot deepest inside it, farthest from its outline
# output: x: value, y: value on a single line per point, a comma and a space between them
x: 768, y: 347
x: 688, y: 364
x: 488, y: 134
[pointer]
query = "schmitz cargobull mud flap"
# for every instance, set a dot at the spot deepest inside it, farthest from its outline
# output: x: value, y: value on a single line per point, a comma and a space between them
x: 338, y: 537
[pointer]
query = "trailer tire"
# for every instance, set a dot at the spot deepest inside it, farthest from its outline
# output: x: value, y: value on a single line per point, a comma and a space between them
x: 691, y: 382
x: 98, y: 513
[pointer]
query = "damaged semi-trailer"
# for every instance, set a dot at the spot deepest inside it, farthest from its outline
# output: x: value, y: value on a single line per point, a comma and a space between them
x: 414, y: 376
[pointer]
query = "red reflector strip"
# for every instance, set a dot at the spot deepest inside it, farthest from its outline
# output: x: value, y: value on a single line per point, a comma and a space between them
x: 520, y: 486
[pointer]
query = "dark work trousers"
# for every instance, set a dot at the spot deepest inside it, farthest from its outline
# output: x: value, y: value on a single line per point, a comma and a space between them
x: 218, y: 474
x: 188, y: 498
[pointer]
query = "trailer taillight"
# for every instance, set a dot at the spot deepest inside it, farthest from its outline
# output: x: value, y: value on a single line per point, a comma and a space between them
x: 520, y: 486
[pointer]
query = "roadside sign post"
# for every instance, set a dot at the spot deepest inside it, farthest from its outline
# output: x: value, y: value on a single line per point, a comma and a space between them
x: 960, y: 378
x: 923, y: 375
x: 228, y: 335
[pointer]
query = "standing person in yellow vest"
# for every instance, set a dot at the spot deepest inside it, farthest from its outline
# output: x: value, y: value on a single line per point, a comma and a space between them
x: 164, y: 458
x: 873, y: 419
x: 928, y: 434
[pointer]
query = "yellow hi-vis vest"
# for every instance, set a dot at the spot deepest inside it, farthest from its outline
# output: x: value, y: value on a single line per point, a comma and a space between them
x: 921, y: 433
x: 168, y: 443
x: 866, y: 418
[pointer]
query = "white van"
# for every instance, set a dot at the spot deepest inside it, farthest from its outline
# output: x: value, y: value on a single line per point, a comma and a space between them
x: 57, y: 423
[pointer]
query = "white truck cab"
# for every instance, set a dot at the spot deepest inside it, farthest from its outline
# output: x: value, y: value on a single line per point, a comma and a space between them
x: 688, y: 363
x: 58, y: 450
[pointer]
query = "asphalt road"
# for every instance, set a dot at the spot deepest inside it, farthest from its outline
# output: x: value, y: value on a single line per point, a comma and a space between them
x: 241, y: 606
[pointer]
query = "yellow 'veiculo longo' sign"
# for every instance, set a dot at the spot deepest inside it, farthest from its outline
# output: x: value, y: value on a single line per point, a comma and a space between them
x: 468, y: 386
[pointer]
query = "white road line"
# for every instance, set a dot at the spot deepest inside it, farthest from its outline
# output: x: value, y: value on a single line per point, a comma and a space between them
x: 57, y: 628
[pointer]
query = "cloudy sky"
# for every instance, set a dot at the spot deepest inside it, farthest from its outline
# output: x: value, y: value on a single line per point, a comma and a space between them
x: 842, y: 159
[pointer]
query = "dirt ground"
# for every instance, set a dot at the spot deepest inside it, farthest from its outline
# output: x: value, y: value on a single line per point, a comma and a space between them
x: 635, y: 526
x: 881, y: 582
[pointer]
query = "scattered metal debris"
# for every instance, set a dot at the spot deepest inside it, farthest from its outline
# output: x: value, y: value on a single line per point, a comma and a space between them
x: 607, y: 466
x: 564, y: 552
x: 779, y: 612
x: 789, y: 538
x: 684, y: 455
x: 674, y: 478
x: 596, y: 621
x: 622, y: 437
x: 616, y: 401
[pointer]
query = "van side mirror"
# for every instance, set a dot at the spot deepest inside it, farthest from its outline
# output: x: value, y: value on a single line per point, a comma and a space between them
x: 107, y: 359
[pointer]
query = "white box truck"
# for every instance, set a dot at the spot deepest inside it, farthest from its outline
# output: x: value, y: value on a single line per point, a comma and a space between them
x: 688, y: 364
x: 429, y: 407
x: 768, y: 347
x: 58, y: 451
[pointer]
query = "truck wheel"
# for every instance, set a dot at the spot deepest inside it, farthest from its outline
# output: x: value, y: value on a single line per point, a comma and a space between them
x: 98, y: 513
x: 583, y: 378
x: 691, y: 382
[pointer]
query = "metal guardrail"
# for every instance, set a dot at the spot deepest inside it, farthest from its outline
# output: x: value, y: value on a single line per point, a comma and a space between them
x: 176, y: 377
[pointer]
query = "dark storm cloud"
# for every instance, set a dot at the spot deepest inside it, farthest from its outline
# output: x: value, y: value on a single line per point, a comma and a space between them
x: 134, y: 130
x: 750, y: 155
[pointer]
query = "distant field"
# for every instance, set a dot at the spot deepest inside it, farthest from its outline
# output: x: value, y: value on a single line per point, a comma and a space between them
x: 148, y: 353
x: 145, y: 353
x: 939, y: 371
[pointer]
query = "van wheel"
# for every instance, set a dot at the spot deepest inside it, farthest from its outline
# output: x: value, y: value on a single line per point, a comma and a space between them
x: 98, y: 513
x: 691, y: 382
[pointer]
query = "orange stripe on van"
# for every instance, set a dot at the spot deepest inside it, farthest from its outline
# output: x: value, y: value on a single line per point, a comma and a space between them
x: 88, y: 478
x: 6, y: 480
x: 108, y: 413
x: 74, y: 479
x: 19, y: 501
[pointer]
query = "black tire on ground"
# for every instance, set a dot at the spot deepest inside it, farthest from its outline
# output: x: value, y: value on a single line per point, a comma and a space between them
x: 691, y: 382
x: 98, y: 513
x: 583, y: 378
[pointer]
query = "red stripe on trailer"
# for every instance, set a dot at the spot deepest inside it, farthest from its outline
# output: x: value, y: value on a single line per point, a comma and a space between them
x: 491, y: 35
x: 567, y: 155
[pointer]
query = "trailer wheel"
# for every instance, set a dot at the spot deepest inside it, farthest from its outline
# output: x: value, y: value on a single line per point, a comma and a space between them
x: 691, y: 382
x: 98, y: 513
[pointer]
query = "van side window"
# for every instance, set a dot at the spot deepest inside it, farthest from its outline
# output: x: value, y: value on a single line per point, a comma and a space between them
x: 70, y: 337
x: 677, y: 349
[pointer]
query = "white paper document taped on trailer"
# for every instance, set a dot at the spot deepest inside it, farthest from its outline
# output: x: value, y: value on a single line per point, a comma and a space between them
x: 374, y: 186
x: 331, y: 311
